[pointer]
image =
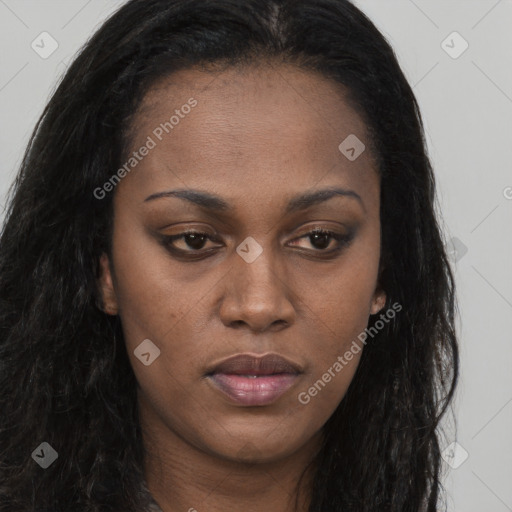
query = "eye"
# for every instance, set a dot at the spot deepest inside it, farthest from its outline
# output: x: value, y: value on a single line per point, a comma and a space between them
x: 192, y: 243
x: 322, y: 239
x: 189, y: 241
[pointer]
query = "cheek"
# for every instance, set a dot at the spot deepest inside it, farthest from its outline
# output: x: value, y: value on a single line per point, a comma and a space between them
x: 335, y: 351
x: 339, y: 312
x: 154, y: 296
x: 160, y: 302
x: 342, y: 296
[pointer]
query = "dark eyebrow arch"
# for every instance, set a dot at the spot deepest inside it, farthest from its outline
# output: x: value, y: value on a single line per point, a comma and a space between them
x: 204, y: 199
x: 298, y: 203
x: 312, y: 198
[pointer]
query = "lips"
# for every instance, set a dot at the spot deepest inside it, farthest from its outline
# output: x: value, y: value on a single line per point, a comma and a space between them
x: 246, y: 364
x: 254, y: 380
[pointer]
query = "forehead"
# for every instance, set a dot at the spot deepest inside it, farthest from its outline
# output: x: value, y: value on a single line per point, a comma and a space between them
x: 237, y: 101
x: 273, y: 124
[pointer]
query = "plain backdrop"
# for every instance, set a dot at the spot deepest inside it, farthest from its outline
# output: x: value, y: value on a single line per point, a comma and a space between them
x: 465, y: 95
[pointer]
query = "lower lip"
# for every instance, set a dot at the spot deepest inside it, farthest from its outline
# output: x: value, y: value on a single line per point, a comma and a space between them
x: 261, y: 390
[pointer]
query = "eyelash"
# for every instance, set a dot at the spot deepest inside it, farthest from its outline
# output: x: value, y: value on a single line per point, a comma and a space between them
x: 343, y: 241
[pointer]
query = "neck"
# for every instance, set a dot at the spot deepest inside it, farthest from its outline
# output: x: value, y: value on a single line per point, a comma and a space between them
x: 183, y: 477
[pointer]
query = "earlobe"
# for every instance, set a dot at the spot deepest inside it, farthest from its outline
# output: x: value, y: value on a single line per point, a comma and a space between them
x: 378, y: 302
x: 106, y: 287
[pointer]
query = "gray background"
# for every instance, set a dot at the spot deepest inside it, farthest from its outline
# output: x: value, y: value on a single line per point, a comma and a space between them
x: 466, y: 103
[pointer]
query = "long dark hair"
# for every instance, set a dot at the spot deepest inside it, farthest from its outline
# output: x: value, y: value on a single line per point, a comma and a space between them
x: 64, y: 372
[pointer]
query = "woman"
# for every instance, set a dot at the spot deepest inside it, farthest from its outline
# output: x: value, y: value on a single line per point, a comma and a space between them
x: 223, y: 284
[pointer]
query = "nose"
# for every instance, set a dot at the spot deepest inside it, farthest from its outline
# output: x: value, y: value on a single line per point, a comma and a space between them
x: 257, y: 295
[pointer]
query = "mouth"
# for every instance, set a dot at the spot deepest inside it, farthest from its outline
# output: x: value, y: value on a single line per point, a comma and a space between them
x: 254, y: 380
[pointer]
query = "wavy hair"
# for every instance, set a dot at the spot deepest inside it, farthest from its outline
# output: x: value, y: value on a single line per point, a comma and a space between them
x: 64, y: 372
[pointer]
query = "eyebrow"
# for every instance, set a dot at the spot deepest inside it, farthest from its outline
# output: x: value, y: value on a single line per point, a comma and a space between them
x: 298, y: 203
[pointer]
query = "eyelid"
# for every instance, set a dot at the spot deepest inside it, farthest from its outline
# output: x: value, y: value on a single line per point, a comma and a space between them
x: 342, y: 239
x: 312, y: 228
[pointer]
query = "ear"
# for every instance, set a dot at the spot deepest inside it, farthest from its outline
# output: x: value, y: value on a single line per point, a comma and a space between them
x: 106, y: 287
x: 378, y: 300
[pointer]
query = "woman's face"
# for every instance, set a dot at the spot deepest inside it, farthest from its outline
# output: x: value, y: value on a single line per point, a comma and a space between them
x: 252, y: 148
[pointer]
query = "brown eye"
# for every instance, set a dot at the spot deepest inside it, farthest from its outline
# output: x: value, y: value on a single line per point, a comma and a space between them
x: 321, y: 240
x: 188, y: 241
x: 195, y: 240
x: 193, y: 244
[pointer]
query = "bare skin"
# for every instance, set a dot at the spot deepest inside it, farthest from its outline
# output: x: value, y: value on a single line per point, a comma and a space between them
x: 257, y: 138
